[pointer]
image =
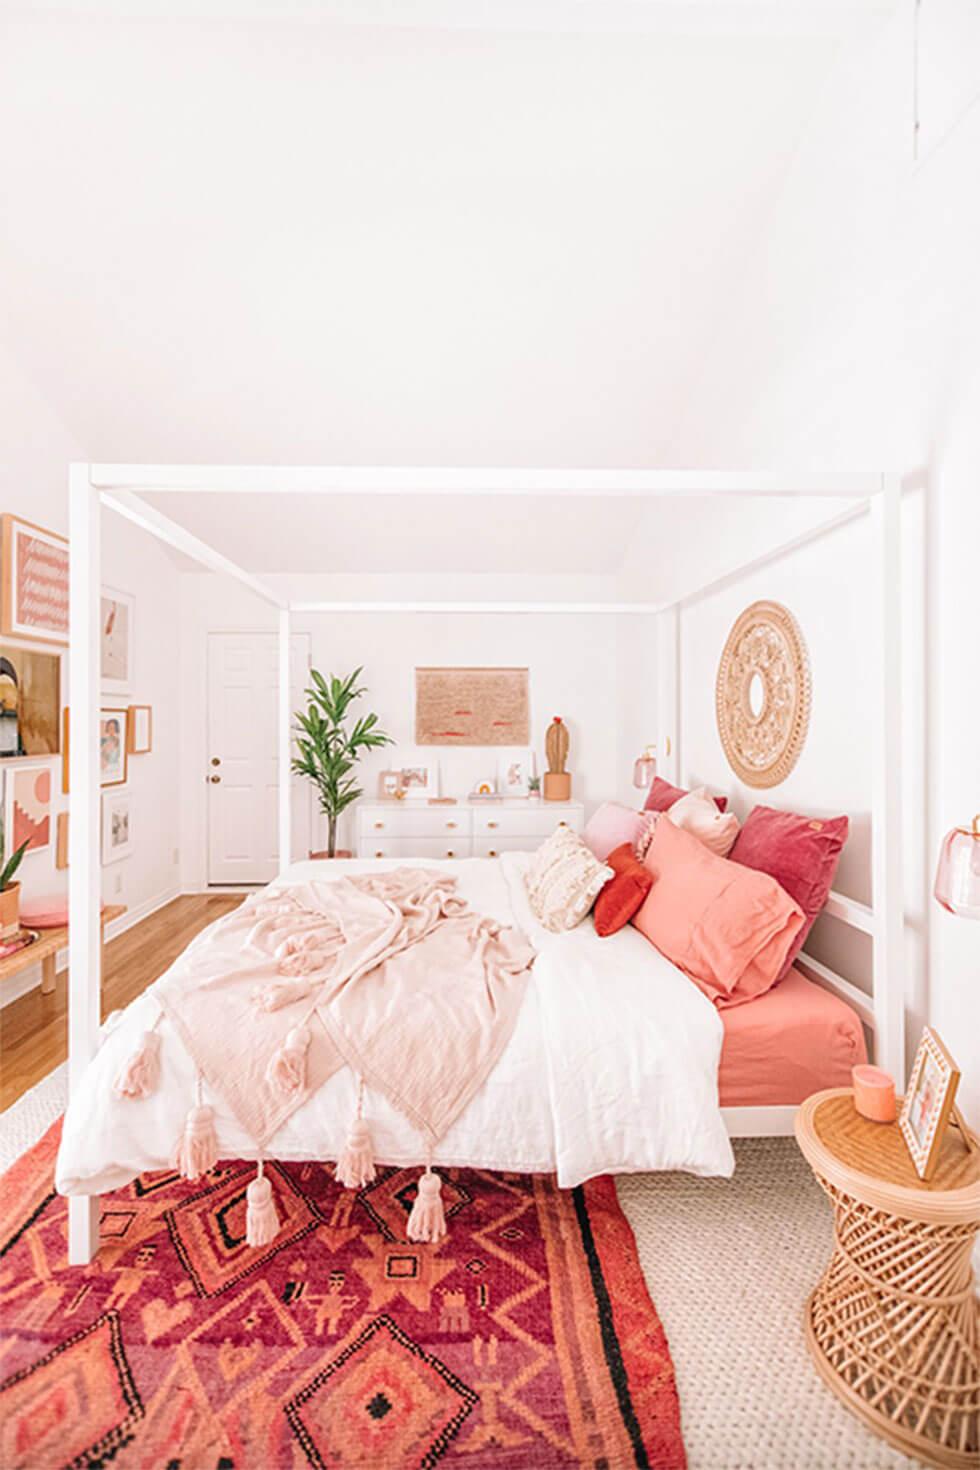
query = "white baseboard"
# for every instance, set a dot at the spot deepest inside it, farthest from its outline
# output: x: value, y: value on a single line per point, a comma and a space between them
x: 29, y: 979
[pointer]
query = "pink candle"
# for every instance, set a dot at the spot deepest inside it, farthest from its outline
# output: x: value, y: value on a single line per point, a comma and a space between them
x: 874, y: 1094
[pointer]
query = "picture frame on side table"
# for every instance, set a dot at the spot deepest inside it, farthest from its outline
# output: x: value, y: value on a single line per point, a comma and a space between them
x: 116, y: 635
x: 113, y: 756
x: 515, y: 770
x: 420, y: 777
x: 117, y: 830
x: 929, y: 1101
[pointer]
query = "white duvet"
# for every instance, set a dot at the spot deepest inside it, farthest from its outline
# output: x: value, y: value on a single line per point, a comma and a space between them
x: 612, y: 1068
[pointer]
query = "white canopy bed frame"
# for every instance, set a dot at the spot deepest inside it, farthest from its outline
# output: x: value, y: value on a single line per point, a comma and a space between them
x: 116, y: 485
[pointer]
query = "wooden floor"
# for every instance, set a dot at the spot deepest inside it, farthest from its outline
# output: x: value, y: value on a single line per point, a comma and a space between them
x: 34, y: 1029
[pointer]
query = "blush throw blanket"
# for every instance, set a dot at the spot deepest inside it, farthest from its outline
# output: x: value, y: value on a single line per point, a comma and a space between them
x: 391, y: 974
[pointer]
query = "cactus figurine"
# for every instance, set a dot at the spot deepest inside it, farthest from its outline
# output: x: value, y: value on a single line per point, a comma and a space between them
x: 557, y: 781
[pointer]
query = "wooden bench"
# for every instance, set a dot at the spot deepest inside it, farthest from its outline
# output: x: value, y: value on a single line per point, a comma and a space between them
x: 44, y: 950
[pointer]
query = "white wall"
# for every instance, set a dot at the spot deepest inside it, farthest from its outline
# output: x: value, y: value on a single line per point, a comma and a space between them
x: 35, y: 450
x: 574, y: 663
x: 853, y: 341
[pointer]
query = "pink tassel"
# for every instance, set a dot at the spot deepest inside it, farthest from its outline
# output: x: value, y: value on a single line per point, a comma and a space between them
x: 196, y: 1150
x: 427, y: 1222
x: 302, y: 962
x: 287, y: 1066
x: 140, y: 1073
x: 261, y: 1220
x: 279, y: 993
x: 355, y: 1167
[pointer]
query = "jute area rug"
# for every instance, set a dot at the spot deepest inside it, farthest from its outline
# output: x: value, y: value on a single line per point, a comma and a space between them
x: 526, y: 1338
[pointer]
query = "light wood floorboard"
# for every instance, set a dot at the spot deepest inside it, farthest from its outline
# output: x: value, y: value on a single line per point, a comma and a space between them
x: 34, y: 1028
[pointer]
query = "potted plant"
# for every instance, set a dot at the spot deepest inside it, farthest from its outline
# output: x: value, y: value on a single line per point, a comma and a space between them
x: 10, y: 893
x: 329, y: 748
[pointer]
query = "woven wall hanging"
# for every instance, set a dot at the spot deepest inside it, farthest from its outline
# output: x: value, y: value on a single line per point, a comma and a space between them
x: 762, y: 694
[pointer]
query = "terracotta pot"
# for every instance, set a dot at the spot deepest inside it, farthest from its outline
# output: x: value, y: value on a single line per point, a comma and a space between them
x: 10, y: 911
x: 557, y: 785
x: 342, y: 852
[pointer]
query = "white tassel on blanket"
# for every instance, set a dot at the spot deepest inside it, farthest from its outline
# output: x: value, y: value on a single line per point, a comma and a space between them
x: 287, y: 1065
x: 261, y: 1220
x: 139, y: 1074
x: 427, y: 1222
x: 196, y: 1150
x: 355, y: 1167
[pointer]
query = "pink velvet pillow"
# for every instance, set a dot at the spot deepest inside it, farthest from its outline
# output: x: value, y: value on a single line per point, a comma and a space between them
x: 609, y: 827
x: 801, y: 853
x: 662, y: 796
x: 727, y: 927
x: 619, y: 900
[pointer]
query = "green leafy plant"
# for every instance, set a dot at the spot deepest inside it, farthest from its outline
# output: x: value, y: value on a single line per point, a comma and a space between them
x: 329, y: 749
x: 11, y: 865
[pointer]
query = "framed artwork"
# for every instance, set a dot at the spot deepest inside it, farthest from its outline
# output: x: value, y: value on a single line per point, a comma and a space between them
x: 389, y: 784
x: 117, y: 833
x: 420, y: 779
x: 61, y: 839
x: 113, y: 767
x: 30, y: 702
x: 65, y: 763
x: 139, y: 729
x: 516, y: 769
x: 928, y: 1102
x: 27, y: 808
x: 117, y: 640
x: 471, y: 706
x: 34, y: 592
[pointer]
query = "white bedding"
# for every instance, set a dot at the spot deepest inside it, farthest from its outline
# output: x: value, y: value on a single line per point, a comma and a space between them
x: 612, y: 1067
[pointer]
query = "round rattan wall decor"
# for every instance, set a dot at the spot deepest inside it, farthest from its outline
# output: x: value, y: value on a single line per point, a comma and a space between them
x: 762, y: 694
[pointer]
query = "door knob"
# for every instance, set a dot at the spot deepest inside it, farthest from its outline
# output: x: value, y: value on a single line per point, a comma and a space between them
x: 215, y: 780
x: 215, y: 760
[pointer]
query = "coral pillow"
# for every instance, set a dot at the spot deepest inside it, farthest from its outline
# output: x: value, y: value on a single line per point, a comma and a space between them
x: 662, y: 796
x: 801, y: 853
x: 610, y: 827
x: 623, y: 894
x: 697, y: 813
x: 727, y: 927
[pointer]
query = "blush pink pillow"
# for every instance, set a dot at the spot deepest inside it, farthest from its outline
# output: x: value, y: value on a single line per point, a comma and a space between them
x: 727, y: 927
x: 801, y: 853
x: 609, y: 827
x: 662, y: 795
x: 697, y: 813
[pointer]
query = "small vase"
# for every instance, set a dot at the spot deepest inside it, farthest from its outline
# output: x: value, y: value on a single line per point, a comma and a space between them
x: 10, y: 912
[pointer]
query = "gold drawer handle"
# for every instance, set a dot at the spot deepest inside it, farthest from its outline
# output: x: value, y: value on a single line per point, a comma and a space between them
x: 378, y: 826
x: 451, y: 826
x: 449, y: 852
x: 493, y: 824
x: 379, y: 854
x: 493, y: 852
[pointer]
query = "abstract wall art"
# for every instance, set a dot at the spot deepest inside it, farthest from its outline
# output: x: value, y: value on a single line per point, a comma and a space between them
x: 471, y: 706
x: 30, y: 702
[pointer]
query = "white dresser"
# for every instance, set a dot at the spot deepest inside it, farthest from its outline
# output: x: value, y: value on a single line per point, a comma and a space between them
x: 394, y: 829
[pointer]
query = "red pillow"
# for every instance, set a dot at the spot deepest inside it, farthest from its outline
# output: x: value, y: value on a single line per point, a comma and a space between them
x: 620, y: 898
x: 801, y: 853
x: 662, y: 795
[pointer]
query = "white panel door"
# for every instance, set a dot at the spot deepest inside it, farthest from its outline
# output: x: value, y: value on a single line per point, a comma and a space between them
x: 243, y: 766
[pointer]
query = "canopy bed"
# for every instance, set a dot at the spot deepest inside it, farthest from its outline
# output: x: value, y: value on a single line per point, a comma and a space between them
x: 549, y: 1105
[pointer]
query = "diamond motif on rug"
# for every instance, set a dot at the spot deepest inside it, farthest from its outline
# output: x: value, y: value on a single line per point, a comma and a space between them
x: 383, y: 1401
x: 390, y: 1198
x: 76, y: 1404
x: 208, y: 1229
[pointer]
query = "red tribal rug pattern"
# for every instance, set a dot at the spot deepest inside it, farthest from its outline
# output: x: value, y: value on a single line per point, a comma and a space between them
x: 526, y: 1338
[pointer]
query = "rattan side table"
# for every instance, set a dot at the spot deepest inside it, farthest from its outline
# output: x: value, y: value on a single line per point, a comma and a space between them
x: 893, y: 1325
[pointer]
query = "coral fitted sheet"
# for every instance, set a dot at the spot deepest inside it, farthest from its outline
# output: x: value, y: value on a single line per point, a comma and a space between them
x: 780, y: 1047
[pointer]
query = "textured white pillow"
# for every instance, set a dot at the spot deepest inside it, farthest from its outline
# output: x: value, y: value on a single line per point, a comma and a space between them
x: 563, y: 879
x: 696, y: 813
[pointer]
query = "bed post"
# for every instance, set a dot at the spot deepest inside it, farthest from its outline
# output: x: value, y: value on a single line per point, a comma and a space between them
x: 887, y: 875
x: 84, y: 875
x: 285, y: 722
x: 668, y: 692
